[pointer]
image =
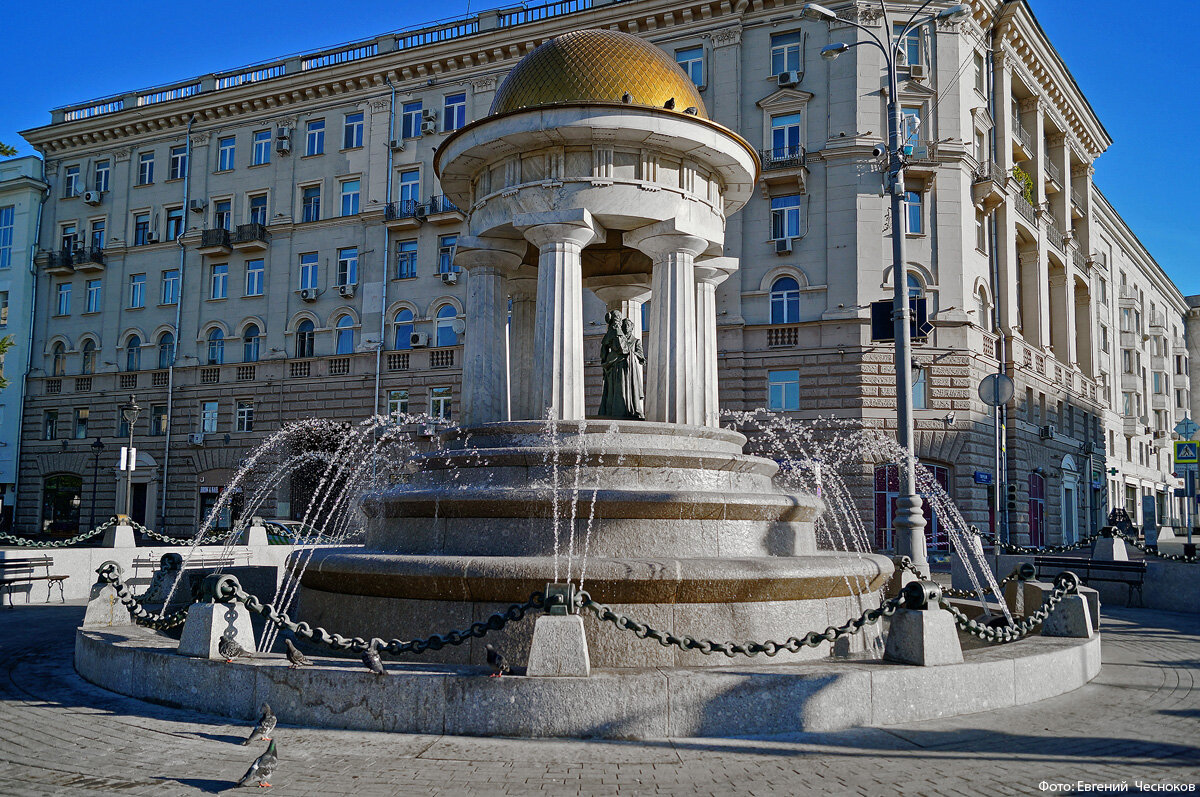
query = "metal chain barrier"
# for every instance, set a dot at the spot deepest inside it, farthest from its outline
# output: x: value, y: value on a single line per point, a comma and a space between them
x: 27, y: 543
x: 907, y: 564
x: 149, y: 532
x: 1088, y: 540
x: 1064, y: 583
x: 110, y: 573
x: 1172, y: 557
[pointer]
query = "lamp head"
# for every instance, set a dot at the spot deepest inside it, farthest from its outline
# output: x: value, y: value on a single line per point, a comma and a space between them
x: 832, y: 51
x: 817, y: 13
x: 98, y: 446
x: 955, y: 12
x: 130, y: 411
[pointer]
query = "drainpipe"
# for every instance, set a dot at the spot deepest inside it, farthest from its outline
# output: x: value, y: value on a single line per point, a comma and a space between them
x: 1001, y: 412
x: 162, y: 497
x: 386, y: 250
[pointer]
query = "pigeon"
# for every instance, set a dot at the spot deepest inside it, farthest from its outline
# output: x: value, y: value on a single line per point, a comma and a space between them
x: 230, y: 649
x: 370, y: 658
x: 262, y: 768
x: 627, y: 98
x: 496, y: 662
x: 294, y: 656
x: 670, y: 104
x: 266, y: 724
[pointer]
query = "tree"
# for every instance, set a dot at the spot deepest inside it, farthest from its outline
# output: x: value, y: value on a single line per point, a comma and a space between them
x: 6, y: 150
x: 6, y: 343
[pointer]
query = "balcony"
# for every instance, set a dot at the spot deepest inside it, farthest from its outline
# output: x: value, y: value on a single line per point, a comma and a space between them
x: 1130, y: 383
x: 988, y: 189
x: 1054, y: 235
x: 783, y: 337
x: 1180, y: 380
x: 1133, y: 426
x: 215, y: 242
x: 1080, y: 261
x: 443, y: 211
x: 1160, y: 401
x: 1025, y: 210
x: 402, y: 215
x: 251, y: 238
x: 1077, y: 203
x: 794, y: 157
x: 1022, y: 141
x: 1129, y: 340
x: 1128, y: 297
x: 1158, y: 324
x: 921, y: 158
x: 1053, y: 176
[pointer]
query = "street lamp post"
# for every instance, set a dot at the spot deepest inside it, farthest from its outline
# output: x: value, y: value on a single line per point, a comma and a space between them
x: 97, y: 450
x: 129, y: 413
x: 909, y: 521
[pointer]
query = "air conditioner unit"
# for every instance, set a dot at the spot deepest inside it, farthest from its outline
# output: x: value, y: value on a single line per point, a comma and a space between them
x: 92, y: 197
x: 428, y: 128
x: 1047, y: 432
x: 1088, y: 449
x: 789, y: 78
x: 196, y: 438
x: 419, y: 340
x: 450, y: 277
x: 428, y: 115
x: 397, y: 145
x: 917, y: 71
x: 283, y: 132
x: 421, y: 211
x: 783, y: 246
x: 283, y: 146
x: 347, y: 291
x: 1160, y: 434
x: 151, y: 237
x: 309, y: 294
x: 197, y: 205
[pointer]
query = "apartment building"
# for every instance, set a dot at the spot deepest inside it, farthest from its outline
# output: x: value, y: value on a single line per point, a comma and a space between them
x: 266, y: 244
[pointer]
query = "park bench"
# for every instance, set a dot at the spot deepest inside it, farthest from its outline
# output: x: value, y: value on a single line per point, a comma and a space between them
x: 24, y: 571
x: 1132, y: 573
x: 195, y: 563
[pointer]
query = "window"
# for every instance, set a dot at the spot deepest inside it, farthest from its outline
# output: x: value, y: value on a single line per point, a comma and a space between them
x: 258, y: 209
x: 254, y: 277
x: 1103, y: 285
x: 68, y: 237
x: 915, y: 289
x: 446, y: 336
x: 446, y: 245
x: 141, y: 229
x: 81, y: 423
x: 455, y: 115
x: 785, y: 301
x: 219, y: 281
x: 983, y: 315
x: 216, y: 346
x: 166, y: 350
x: 404, y: 329
x: 910, y: 126
x: 406, y: 259
x: 350, y: 193
x: 352, y: 131
x: 920, y: 389
x: 910, y: 45
x: 980, y: 74
x: 102, y: 171
x: 311, y: 202
x: 304, y: 338
x: 397, y: 403
x: 223, y: 214
x: 58, y: 360
x: 250, y: 339
x: 245, y: 416
x: 785, y: 52
x: 887, y: 494
x: 1037, y: 509
x: 71, y: 181
x: 691, y: 61
x: 410, y: 120
x: 170, y: 286
x: 179, y: 159
x: 98, y: 234
x: 345, y: 335
x: 347, y: 273
x: 158, y: 419
x: 785, y: 216
x: 63, y: 299
x: 440, y: 403
x: 783, y: 390
x: 93, y: 296
x: 145, y: 168
x: 262, y: 147
x: 3, y: 309
x: 308, y: 271
x: 7, y: 224
x: 49, y: 424
x: 785, y: 136
x: 913, y: 215
x: 174, y: 223
x: 1104, y: 338
x: 87, y: 363
x: 133, y: 353
x: 314, y: 141
x: 208, y: 416
x: 225, y: 153
x: 981, y: 232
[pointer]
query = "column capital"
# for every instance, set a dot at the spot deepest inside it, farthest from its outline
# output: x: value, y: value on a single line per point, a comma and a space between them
x: 715, y: 270
x: 566, y: 226
x: 667, y: 237
x: 503, y: 254
x: 620, y: 288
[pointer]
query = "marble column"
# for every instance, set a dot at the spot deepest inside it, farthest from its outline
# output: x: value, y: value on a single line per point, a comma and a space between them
x: 708, y: 277
x: 624, y: 293
x: 558, y: 343
x: 522, y: 288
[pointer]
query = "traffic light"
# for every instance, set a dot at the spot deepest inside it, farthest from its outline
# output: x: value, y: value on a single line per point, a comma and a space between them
x: 1012, y: 497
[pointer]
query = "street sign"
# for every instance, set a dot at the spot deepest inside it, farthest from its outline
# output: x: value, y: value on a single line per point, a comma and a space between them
x: 983, y: 477
x: 1186, y: 452
x: 1187, y: 429
x: 996, y: 389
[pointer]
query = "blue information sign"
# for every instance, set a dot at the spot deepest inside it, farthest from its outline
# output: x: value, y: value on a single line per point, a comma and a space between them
x: 983, y: 477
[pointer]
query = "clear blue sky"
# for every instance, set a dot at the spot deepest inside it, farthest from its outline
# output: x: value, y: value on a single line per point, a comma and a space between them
x: 1140, y: 70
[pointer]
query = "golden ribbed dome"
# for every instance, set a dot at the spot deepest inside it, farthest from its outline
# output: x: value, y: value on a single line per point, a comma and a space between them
x: 597, y: 66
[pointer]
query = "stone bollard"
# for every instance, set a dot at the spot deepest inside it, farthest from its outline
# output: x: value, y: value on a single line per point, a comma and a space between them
x: 104, y: 606
x: 207, y: 622
x: 255, y: 534
x: 559, y: 644
x: 1070, y: 618
x: 1036, y: 593
x: 1109, y: 548
x: 921, y: 633
x: 119, y: 535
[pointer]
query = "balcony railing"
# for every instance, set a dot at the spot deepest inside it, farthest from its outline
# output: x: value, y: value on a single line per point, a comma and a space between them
x: 784, y: 157
x: 1025, y: 209
x: 1077, y: 198
x: 397, y: 361
x: 248, y: 233
x: 403, y: 209
x: 1022, y: 135
x: 1055, y: 235
x: 1080, y: 261
x: 990, y: 170
x: 1052, y: 171
x: 214, y: 238
x: 74, y: 257
x: 783, y: 337
x: 442, y: 204
x: 441, y: 358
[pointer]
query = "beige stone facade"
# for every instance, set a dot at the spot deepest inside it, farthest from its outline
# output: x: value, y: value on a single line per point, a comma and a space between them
x: 296, y: 166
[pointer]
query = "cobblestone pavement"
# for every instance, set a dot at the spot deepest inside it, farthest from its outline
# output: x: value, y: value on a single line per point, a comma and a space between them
x: 1140, y: 719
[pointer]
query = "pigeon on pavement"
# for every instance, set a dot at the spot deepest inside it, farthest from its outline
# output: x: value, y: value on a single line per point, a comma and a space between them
x: 294, y: 656
x: 370, y: 658
x: 262, y: 768
x: 496, y: 662
x: 266, y: 724
x: 230, y: 649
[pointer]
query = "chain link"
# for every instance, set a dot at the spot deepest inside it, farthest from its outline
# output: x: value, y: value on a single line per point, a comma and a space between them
x: 907, y: 564
x: 149, y: 532
x: 1088, y: 540
x: 1172, y: 557
x: 1065, y: 583
x: 110, y: 573
x: 27, y: 543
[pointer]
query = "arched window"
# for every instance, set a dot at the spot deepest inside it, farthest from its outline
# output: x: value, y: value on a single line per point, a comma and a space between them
x: 915, y: 289
x: 785, y: 301
x: 304, y: 338
x: 345, y: 335
x: 250, y: 344
x: 983, y: 315
x: 58, y: 360
x: 133, y: 353
x: 88, y: 366
x: 404, y: 329
x: 216, y: 346
x: 166, y: 350
x: 446, y: 336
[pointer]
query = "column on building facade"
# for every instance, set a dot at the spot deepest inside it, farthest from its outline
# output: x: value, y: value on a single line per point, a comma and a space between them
x: 484, y: 368
x: 1085, y: 328
x: 522, y: 289
x: 1062, y: 303
x: 558, y: 330
x: 624, y: 293
x: 1060, y: 203
x: 1007, y: 295
x: 1081, y: 182
x: 1035, y: 121
x: 672, y: 373
x: 1031, y: 296
x: 709, y: 274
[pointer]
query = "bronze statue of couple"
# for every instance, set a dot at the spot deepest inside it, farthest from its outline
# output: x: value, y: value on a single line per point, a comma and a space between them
x: 622, y: 359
